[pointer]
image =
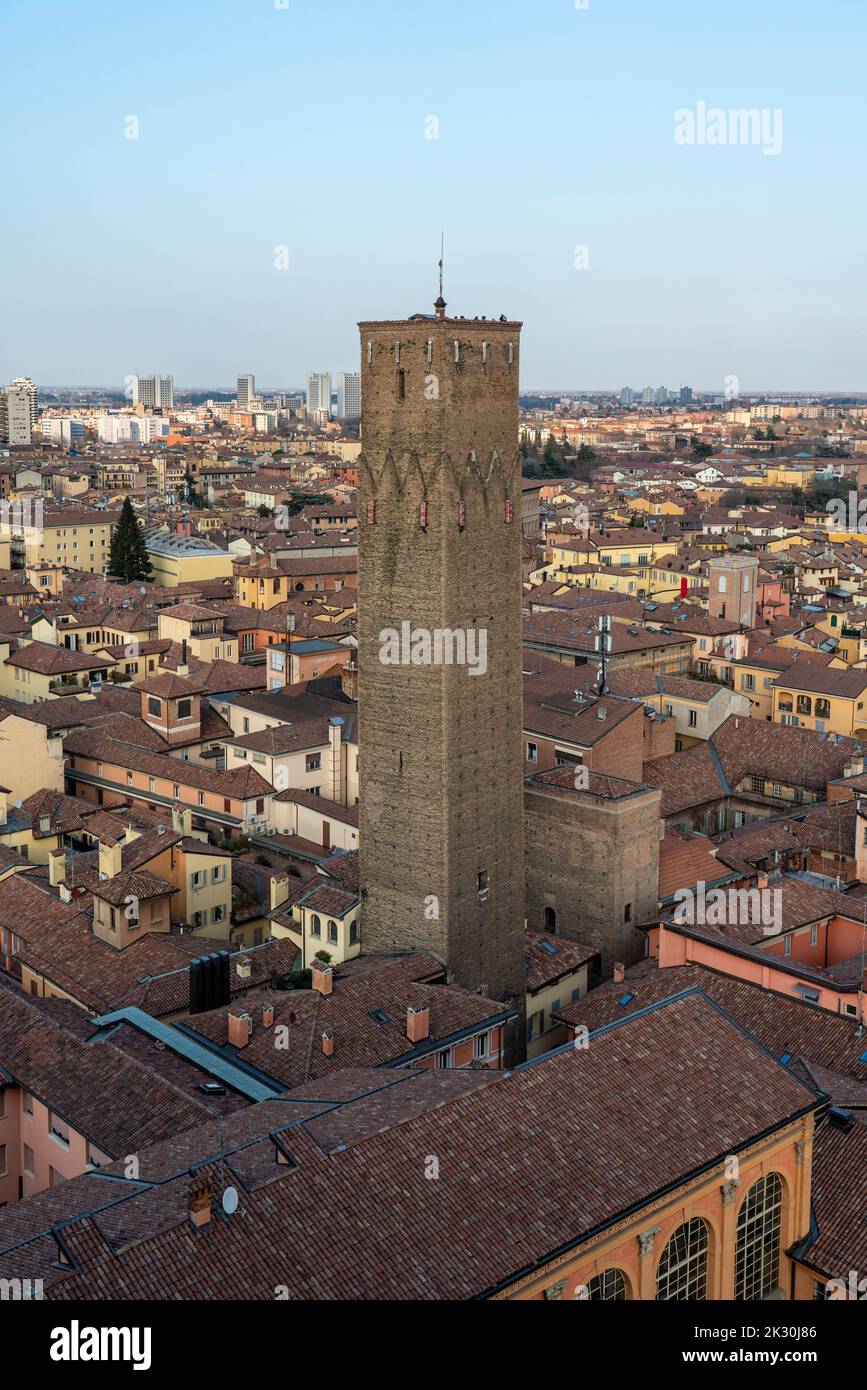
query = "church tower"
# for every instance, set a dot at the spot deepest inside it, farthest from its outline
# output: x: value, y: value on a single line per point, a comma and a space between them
x: 439, y: 613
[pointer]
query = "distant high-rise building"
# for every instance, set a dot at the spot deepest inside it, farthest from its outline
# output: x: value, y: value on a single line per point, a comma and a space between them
x: 115, y: 428
x: 647, y: 396
x: 660, y: 395
x: 153, y: 392
x: 23, y: 383
x: 348, y: 395
x: 686, y: 395
x: 246, y: 390
x: 62, y: 429
x: 319, y: 391
x: 19, y: 417
x: 627, y: 396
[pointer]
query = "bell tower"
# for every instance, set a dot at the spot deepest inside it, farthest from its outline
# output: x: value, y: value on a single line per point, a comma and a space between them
x: 439, y: 612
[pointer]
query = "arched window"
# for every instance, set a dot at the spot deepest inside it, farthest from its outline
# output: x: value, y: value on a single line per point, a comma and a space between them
x: 550, y: 919
x: 757, y: 1254
x: 607, y: 1287
x: 332, y: 933
x: 682, y: 1272
x: 315, y: 925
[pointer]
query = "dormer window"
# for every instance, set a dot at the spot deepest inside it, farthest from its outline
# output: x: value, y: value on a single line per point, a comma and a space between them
x: 185, y: 708
x: 155, y: 706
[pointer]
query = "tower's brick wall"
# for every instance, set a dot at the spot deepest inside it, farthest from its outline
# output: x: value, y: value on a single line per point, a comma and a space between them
x: 590, y: 858
x: 441, y: 836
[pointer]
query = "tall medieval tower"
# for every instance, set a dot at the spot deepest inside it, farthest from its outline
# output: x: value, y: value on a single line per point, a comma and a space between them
x: 439, y: 614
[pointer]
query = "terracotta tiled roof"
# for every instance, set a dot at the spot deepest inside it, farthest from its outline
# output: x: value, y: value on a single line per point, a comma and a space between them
x: 687, y: 859
x: 170, y: 686
x: 839, y: 1200
x: 114, y: 1101
x: 391, y: 1236
x: 598, y: 784
x: 691, y: 778
x: 131, y: 883
x: 54, y: 661
x: 549, y: 957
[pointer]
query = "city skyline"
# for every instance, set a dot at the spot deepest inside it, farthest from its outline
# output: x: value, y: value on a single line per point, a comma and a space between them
x: 620, y: 248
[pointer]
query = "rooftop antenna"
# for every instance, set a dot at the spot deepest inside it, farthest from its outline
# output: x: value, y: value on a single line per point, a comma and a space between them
x: 440, y: 304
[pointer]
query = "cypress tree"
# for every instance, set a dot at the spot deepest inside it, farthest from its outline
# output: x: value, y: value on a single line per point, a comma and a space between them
x: 128, y: 558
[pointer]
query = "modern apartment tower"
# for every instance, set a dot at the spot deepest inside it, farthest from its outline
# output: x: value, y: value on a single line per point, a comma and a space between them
x: 441, y: 828
x: 348, y: 395
x: 246, y: 390
x: 319, y: 391
x: 154, y: 392
x: 19, y: 413
x: 25, y: 386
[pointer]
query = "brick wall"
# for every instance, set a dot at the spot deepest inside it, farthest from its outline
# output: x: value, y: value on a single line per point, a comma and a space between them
x: 589, y: 859
x: 440, y: 767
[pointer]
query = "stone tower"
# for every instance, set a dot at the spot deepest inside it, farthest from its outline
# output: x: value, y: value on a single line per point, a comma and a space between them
x: 439, y: 611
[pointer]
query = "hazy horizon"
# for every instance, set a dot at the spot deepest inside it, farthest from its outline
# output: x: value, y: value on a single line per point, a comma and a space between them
x: 338, y: 141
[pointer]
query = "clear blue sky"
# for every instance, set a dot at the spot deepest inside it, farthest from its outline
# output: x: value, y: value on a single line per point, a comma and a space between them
x: 305, y: 127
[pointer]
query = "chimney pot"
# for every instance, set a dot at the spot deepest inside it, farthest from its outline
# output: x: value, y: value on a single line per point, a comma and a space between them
x: 322, y: 977
x: 619, y: 973
x: 240, y: 1029
x: 268, y: 1016
x: 200, y: 1204
x: 418, y: 1023
x: 328, y: 1044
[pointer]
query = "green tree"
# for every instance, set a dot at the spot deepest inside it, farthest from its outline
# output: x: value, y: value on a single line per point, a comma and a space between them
x: 128, y: 558
x: 187, y: 492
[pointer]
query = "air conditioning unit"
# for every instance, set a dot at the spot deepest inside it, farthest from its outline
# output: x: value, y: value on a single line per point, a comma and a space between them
x: 272, y: 830
x: 286, y: 830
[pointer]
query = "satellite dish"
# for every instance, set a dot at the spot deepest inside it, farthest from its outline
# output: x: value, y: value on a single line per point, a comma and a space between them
x: 230, y: 1201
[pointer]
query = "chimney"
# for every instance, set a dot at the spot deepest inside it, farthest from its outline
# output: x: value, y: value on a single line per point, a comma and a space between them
x: 56, y: 868
x: 110, y: 859
x: 183, y: 668
x: 268, y: 1016
x: 418, y: 1023
x: 328, y: 1043
x: 182, y: 819
x: 762, y: 881
x: 321, y: 977
x: 200, y: 1197
x: 619, y: 973
x: 244, y: 968
x: 335, y: 738
x: 240, y: 1029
